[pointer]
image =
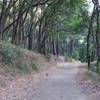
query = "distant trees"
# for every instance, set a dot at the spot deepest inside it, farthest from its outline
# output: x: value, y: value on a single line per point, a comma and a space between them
x: 46, y: 26
x: 57, y: 27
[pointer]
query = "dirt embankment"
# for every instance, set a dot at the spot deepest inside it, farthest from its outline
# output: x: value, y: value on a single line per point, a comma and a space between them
x: 89, y: 83
x: 20, y: 65
x: 15, y: 62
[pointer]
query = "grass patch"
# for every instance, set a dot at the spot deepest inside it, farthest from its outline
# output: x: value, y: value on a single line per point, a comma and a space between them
x: 15, y: 58
x: 34, y: 65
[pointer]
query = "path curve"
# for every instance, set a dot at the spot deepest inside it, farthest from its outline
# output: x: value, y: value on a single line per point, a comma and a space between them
x: 58, y: 84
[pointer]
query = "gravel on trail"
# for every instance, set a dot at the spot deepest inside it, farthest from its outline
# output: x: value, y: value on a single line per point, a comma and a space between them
x: 53, y: 84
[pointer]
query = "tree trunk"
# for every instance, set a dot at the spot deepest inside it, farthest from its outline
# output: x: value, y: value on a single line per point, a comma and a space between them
x: 3, y: 18
x: 88, y: 38
x: 71, y: 47
x: 14, y: 32
x: 98, y: 38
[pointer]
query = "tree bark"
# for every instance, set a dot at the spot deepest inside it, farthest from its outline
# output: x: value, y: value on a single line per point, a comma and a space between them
x: 98, y: 37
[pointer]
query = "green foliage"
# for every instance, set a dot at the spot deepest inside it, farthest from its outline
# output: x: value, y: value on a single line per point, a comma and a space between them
x: 15, y: 57
x: 76, y: 55
x: 81, y: 51
x: 10, y: 53
x: 34, y: 65
x: 59, y: 18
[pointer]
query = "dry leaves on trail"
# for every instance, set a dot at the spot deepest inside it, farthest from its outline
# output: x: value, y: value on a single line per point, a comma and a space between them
x: 87, y: 85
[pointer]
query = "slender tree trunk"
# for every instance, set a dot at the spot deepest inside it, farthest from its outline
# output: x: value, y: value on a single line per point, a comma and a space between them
x: 14, y: 33
x: 53, y: 47
x: 71, y: 47
x: 98, y: 37
x: 30, y: 30
x: 20, y: 26
x: 57, y: 45
x: 3, y: 18
x: 88, y: 37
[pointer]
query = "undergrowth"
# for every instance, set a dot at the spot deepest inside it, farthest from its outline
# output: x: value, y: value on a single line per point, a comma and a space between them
x: 15, y: 58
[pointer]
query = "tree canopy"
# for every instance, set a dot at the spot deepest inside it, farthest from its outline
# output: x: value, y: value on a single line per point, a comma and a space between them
x: 58, y: 27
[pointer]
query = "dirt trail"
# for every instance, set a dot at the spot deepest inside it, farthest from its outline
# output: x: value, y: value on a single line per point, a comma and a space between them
x: 56, y: 84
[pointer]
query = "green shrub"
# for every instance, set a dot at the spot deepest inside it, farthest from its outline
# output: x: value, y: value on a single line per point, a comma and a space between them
x: 15, y: 58
x: 76, y: 55
x: 34, y: 65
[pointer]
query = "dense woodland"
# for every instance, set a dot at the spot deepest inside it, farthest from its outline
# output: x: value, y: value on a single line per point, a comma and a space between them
x: 58, y: 27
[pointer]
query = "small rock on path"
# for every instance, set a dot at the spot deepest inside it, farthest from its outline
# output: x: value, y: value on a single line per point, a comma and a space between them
x: 56, y: 84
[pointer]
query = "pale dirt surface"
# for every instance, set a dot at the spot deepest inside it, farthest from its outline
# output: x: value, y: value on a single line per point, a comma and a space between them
x: 57, y: 83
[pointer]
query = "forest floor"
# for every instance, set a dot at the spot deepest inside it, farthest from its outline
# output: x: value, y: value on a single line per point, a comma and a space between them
x: 55, y: 83
x: 89, y: 83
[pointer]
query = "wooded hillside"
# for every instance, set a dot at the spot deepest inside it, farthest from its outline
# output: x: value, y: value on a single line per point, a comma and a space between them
x: 58, y: 27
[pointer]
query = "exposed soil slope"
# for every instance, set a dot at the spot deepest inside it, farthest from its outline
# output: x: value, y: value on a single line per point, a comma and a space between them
x: 15, y: 62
